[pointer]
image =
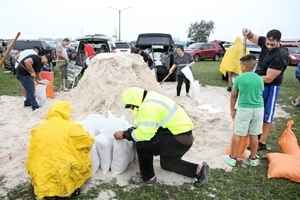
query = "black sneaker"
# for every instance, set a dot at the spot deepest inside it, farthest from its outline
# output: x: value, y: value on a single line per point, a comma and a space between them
x: 26, y: 104
x: 138, y: 180
x: 262, y: 147
x: 202, y: 177
x: 229, y: 89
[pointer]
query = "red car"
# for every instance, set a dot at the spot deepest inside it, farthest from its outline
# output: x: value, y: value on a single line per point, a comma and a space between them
x: 294, y: 55
x: 212, y: 50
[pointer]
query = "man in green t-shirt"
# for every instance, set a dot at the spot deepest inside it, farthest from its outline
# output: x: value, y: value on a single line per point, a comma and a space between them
x: 248, y: 117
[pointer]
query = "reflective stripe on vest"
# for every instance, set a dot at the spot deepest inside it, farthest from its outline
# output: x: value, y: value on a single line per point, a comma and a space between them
x: 171, y: 109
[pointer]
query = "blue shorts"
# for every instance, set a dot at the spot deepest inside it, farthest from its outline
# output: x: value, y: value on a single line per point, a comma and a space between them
x: 270, y: 96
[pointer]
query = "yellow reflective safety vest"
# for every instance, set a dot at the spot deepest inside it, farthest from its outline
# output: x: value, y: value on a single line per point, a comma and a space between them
x: 159, y: 111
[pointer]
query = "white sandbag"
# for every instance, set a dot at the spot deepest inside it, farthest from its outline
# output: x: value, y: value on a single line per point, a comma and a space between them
x: 94, y: 123
x: 104, y: 147
x: 123, y: 155
x: 188, y: 73
x: 40, y: 94
x: 95, y: 159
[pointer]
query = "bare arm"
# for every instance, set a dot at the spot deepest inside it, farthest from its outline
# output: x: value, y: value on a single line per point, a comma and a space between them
x: 28, y: 67
x: 250, y: 36
x: 172, y: 69
x: 271, y: 75
x: 233, y: 99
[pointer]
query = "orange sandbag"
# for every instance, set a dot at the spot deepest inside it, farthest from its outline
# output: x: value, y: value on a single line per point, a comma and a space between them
x: 47, y: 75
x: 288, y: 141
x: 242, y: 153
x: 284, y: 166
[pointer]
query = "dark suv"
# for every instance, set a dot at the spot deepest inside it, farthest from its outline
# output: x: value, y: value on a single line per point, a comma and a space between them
x: 160, y: 47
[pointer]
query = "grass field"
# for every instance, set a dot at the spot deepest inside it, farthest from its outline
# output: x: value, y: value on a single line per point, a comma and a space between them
x: 241, y: 183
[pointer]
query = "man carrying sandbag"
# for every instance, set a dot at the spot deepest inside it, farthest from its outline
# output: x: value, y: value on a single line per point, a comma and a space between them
x: 28, y: 67
x: 161, y: 128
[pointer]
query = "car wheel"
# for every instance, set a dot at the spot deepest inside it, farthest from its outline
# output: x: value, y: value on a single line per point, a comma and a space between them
x: 217, y: 57
x: 196, y: 58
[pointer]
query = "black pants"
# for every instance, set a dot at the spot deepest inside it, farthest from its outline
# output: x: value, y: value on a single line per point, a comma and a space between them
x: 180, y: 80
x: 170, y: 151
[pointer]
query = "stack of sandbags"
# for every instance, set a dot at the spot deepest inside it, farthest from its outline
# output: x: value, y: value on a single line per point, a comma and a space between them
x: 286, y: 164
x: 114, y: 155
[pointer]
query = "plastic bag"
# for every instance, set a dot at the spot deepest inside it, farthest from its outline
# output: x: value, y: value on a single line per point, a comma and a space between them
x: 104, y: 147
x: 95, y: 159
x: 40, y: 94
x: 123, y: 155
x: 94, y: 123
x: 188, y: 73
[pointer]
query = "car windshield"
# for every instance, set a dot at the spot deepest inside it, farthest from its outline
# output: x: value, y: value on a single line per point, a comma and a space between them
x: 195, y: 46
x: 154, y: 40
x: 294, y: 50
x: 122, y: 45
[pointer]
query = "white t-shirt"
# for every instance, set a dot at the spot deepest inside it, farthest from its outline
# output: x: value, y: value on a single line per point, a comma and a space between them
x: 23, y: 54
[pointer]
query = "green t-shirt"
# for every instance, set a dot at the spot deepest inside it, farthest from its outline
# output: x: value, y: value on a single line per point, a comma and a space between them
x: 250, y: 87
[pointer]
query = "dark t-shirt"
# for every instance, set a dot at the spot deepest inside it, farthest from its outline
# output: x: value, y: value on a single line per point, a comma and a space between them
x: 275, y: 59
x: 37, y: 65
x: 181, y: 62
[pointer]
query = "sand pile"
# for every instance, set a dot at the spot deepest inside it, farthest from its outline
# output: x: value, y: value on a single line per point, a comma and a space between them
x: 99, y: 92
x: 107, y: 76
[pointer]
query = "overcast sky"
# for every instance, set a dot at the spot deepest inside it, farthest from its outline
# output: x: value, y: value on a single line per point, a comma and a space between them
x: 73, y: 18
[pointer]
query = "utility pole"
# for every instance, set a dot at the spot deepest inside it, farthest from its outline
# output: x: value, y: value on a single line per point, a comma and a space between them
x: 119, y: 13
x: 119, y: 25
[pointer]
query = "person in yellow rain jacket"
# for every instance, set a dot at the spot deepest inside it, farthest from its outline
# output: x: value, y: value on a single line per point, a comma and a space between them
x: 230, y: 63
x: 59, y: 160
x: 161, y: 127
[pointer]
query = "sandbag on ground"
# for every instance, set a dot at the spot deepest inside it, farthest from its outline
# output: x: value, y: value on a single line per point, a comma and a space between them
x: 114, y: 155
x: 123, y: 155
x: 286, y: 164
x: 59, y: 156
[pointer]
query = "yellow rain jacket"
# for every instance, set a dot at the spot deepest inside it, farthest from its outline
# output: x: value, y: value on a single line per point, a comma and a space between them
x: 231, y: 59
x: 155, y: 111
x: 59, y: 158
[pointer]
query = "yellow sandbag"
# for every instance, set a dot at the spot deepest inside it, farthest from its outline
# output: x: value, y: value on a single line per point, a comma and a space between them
x: 59, y: 158
x: 231, y: 59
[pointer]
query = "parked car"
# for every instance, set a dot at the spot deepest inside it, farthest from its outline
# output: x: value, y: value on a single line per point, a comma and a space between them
x: 254, y: 50
x: 121, y: 47
x: 160, y: 47
x: 294, y: 55
x: 199, y: 51
x: 100, y: 43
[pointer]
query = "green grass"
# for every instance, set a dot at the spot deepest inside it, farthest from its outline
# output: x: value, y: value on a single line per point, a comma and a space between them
x: 241, y: 183
x: 9, y: 85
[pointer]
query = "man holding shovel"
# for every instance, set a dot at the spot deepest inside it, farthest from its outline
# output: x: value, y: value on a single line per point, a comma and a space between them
x: 181, y: 60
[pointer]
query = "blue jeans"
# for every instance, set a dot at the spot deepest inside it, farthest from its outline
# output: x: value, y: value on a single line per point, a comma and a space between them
x: 28, y: 84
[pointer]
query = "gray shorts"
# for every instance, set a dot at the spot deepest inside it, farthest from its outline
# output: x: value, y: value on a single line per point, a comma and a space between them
x: 248, y: 121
